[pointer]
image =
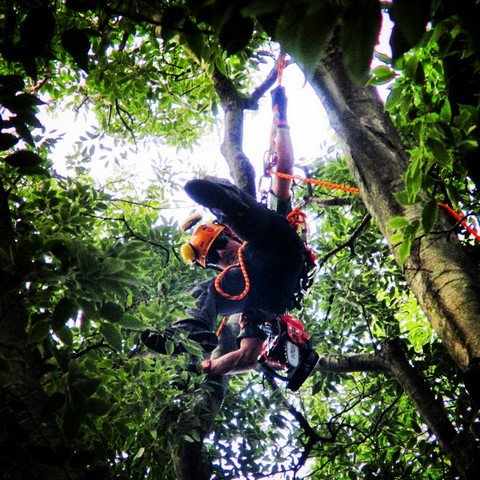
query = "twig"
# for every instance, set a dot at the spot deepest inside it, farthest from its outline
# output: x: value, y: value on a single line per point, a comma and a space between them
x: 119, y: 110
x: 349, y: 243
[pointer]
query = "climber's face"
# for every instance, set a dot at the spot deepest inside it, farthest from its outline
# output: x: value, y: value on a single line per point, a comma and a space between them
x: 224, y: 252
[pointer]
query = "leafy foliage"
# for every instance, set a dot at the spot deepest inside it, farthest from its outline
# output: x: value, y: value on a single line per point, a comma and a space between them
x: 439, y: 130
x: 93, y: 266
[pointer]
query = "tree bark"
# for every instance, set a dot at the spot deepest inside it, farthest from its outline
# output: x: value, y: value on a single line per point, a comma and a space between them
x: 350, y: 363
x: 464, y: 456
x: 438, y: 270
x: 234, y: 105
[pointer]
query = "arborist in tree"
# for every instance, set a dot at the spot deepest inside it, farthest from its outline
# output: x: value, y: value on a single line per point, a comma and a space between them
x: 261, y: 261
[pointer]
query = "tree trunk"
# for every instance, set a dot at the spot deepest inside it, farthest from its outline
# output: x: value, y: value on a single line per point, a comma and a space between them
x: 440, y: 273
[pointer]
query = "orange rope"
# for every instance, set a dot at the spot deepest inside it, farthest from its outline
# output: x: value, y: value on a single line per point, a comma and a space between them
x: 241, y: 264
x: 221, y: 326
x: 333, y: 186
x: 460, y: 219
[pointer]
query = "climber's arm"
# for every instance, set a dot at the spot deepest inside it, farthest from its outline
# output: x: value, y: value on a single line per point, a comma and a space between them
x: 283, y: 145
x: 238, y: 361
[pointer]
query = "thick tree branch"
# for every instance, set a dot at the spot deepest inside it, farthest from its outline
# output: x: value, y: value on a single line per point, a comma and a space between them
x: 350, y: 363
x: 234, y: 105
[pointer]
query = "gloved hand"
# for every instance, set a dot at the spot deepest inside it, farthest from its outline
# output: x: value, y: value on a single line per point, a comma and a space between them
x: 279, y: 101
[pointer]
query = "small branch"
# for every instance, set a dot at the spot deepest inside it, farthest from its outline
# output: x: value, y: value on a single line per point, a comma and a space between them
x: 135, y: 235
x: 150, y: 242
x: 312, y: 436
x: 350, y: 242
x: 372, y: 337
x: 140, y: 204
x: 121, y: 110
x: 96, y: 346
x: 259, y: 92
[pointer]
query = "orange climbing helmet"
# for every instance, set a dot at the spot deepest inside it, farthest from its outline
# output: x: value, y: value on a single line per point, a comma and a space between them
x: 199, y: 246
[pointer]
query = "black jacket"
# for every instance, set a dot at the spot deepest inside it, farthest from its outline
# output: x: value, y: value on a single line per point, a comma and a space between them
x: 274, y: 257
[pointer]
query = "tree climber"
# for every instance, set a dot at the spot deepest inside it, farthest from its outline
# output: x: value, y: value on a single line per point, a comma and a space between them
x: 260, y: 257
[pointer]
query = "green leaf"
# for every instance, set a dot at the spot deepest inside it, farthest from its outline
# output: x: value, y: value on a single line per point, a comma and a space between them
x: 398, y: 222
x: 172, y: 20
x: 446, y: 112
x: 53, y: 403
x: 65, y: 335
x: 396, y: 238
x: 304, y: 32
x: 23, y: 158
x: 404, y: 249
x: 77, y: 44
x: 402, y: 197
x: 72, y: 422
x: 169, y: 347
x: 410, y: 17
x: 316, y: 388
x: 429, y: 215
x: 236, y: 33
x: 97, y: 406
x: 362, y: 21
x: 131, y: 321
x: 193, y: 348
x: 193, y: 40
x: 88, y: 386
x: 36, y: 31
x: 112, y: 312
x: 413, y: 180
x: 7, y: 141
x: 24, y: 103
x: 63, y: 311
x: 439, y: 151
x: 11, y: 84
x: 381, y: 75
x: 112, y: 335
x: 39, y: 331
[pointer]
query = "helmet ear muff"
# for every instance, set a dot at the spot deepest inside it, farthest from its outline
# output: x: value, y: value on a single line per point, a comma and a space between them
x: 188, y: 254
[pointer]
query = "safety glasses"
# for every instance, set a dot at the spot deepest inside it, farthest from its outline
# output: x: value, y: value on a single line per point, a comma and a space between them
x: 219, y: 244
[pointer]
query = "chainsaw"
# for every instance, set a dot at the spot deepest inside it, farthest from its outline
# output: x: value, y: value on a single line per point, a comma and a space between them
x: 287, y: 352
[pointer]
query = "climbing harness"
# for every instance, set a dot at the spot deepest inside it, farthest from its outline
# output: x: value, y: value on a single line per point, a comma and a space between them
x: 298, y: 221
x: 287, y: 352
